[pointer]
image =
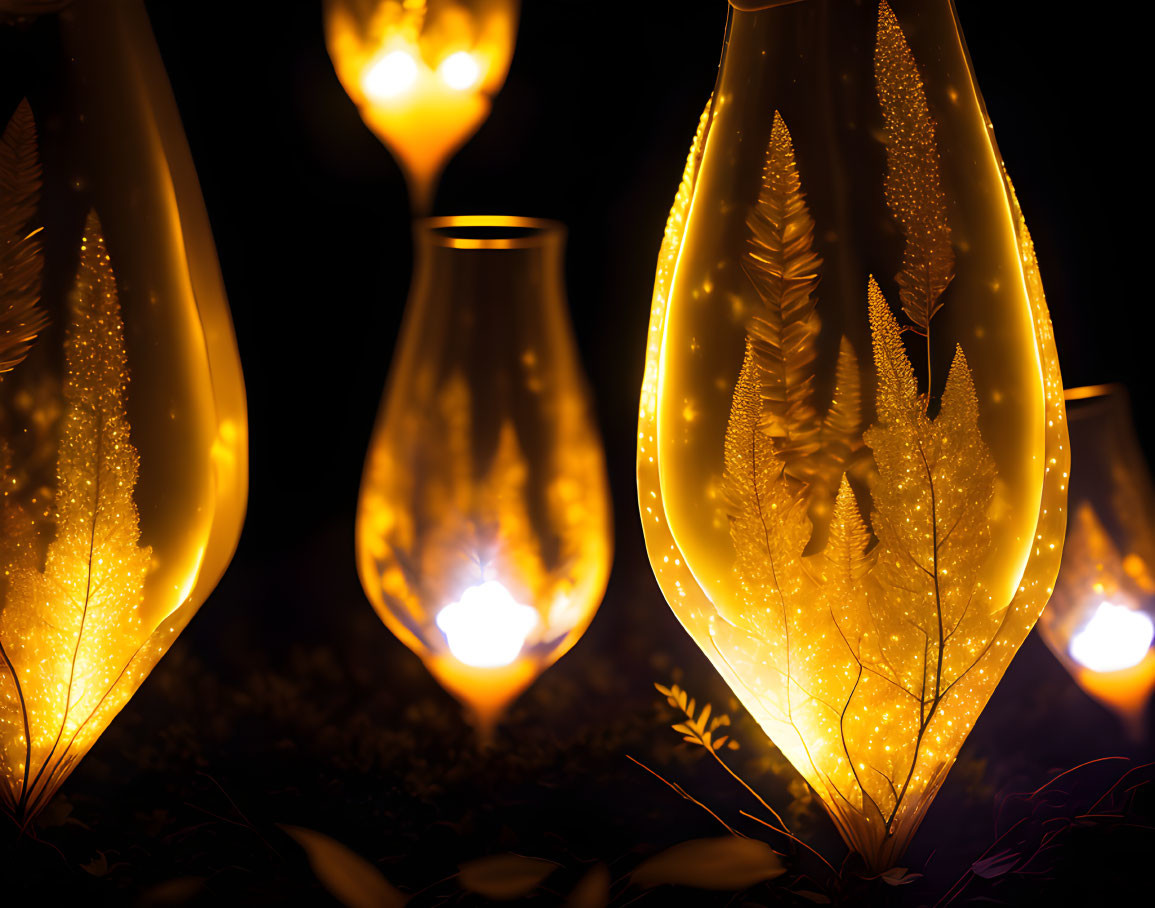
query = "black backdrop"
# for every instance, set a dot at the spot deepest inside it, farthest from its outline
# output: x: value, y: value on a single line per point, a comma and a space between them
x: 311, y: 222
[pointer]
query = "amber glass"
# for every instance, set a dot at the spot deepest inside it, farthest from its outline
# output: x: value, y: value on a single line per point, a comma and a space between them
x: 484, y: 525
x: 422, y: 74
x: 123, y: 434
x: 1101, y: 618
x: 851, y: 445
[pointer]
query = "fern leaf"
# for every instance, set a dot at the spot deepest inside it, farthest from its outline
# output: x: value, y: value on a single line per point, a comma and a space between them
x: 935, y: 482
x: 842, y: 428
x: 913, y: 183
x: 847, y: 549
x: 74, y: 628
x: 21, y: 262
x: 783, y: 268
x: 897, y: 390
x: 768, y: 524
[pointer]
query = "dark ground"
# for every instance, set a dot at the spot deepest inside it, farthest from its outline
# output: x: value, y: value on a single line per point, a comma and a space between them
x: 287, y: 702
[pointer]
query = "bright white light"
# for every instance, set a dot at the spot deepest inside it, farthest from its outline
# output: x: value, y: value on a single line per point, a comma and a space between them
x: 459, y: 71
x: 1115, y: 638
x: 391, y: 75
x: 487, y: 628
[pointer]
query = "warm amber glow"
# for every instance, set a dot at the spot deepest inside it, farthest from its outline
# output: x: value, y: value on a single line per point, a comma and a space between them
x: 422, y: 73
x: 1115, y: 638
x: 123, y: 434
x: 483, y: 527
x: 1100, y: 621
x: 852, y: 454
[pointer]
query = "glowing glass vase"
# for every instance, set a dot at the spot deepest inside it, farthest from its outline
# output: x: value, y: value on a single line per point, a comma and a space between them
x: 484, y: 525
x: 422, y: 73
x: 851, y: 445
x: 122, y: 409
x: 1101, y: 619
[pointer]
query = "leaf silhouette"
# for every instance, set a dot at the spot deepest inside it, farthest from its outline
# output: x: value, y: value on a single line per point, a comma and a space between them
x: 21, y: 261
x: 728, y: 864
x: 913, y: 183
x: 504, y: 876
x: 347, y: 876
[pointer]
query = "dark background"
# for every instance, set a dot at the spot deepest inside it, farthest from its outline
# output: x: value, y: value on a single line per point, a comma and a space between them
x: 289, y: 695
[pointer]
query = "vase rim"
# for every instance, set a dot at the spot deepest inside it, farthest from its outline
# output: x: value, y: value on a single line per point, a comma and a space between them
x: 485, y: 231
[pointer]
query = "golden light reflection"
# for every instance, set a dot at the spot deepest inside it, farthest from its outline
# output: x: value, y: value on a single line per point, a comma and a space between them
x: 483, y: 526
x: 422, y: 73
x: 863, y: 519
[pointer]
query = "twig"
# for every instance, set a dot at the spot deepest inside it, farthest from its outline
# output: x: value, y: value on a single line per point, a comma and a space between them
x: 687, y: 796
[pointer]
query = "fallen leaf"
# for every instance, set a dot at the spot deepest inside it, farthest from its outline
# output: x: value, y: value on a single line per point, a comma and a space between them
x: 996, y: 864
x: 727, y: 864
x: 504, y: 876
x: 592, y: 890
x: 348, y: 877
x: 816, y: 897
x: 899, y: 876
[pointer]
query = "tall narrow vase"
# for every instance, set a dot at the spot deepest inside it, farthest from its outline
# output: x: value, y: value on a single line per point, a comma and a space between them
x: 122, y: 409
x: 852, y: 456
x: 484, y: 526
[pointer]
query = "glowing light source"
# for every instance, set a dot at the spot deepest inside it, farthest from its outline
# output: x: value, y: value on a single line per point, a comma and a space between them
x: 460, y: 70
x: 422, y: 73
x: 1100, y: 621
x: 391, y: 75
x: 1115, y: 638
x: 487, y: 628
x: 483, y: 525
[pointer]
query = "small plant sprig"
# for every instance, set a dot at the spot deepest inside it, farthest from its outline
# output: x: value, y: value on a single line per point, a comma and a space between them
x: 698, y: 730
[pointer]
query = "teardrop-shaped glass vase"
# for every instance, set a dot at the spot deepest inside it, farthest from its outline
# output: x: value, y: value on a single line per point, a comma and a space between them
x: 851, y: 448
x: 1101, y: 620
x: 122, y: 407
x: 484, y: 524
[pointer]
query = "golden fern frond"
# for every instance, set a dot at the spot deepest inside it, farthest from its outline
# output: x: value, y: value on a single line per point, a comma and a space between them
x: 781, y: 264
x: 913, y: 183
x: 768, y: 523
x: 842, y: 428
x: 897, y: 390
x: 74, y: 628
x: 21, y: 262
x: 847, y: 552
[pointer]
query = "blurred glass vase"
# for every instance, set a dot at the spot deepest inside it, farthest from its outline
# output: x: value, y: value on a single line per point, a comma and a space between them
x: 1101, y: 618
x: 484, y: 524
x: 852, y: 454
x: 422, y: 74
x: 123, y: 433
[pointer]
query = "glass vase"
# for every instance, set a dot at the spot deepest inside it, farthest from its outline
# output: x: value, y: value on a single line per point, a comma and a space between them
x: 122, y: 408
x: 1101, y: 619
x: 484, y: 524
x: 852, y: 455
